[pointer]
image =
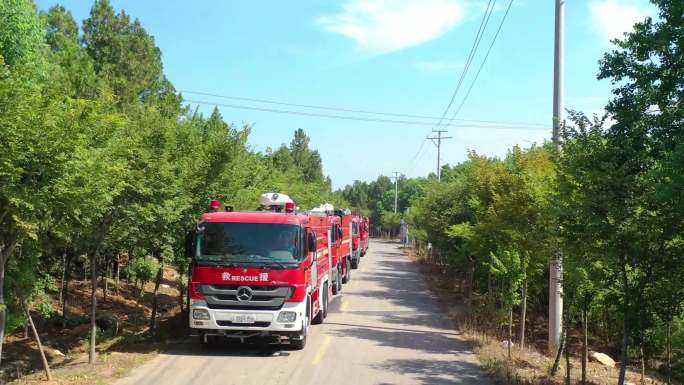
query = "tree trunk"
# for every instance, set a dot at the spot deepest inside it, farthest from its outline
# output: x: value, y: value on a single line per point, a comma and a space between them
x: 105, y: 281
x: 157, y: 282
x: 64, y: 272
x: 469, y: 291
x: 141, y: 294
x: 181, y: 294
x: 118, y: 270
x: 625, y: 326
x: 65, y: 290
x: 509, y: 342
x: 584, y: 346
x: 556, y: 362
x: 669, y: 352
x: 567, y: 360
x: 40, y: 346
x: 643, y: 365
x: 5, y: 253
x: 93, y: 307
x: 523, y: 315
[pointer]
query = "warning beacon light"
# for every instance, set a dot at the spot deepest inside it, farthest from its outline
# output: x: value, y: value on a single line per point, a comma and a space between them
x: 214, y: 205
x: 289, y: 207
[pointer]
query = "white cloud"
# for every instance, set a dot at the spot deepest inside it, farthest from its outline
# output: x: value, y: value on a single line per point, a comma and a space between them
x: 384, y: 26
x: 612, y: 18
x: 432, y: 66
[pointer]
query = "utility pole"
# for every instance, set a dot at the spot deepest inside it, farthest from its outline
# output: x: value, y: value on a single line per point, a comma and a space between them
x: 396, y: 191
x: 438, y: 143
x: 556, y: 265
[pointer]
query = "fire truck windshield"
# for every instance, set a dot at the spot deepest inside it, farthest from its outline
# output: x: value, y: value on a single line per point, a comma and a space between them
x: 249, y: 243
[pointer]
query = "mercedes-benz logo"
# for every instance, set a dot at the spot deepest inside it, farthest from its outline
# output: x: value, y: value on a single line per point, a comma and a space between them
x: 244, y: 293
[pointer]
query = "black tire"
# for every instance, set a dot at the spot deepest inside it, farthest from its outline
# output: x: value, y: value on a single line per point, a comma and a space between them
x: 339, y: 279
x: 337, y: 285
x: 354, y: 263
x: 347, y: 276
x: 300, y: 342
x: 324, y: 309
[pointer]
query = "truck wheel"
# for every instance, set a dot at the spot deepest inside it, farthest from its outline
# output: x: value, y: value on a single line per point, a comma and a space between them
x: 347, y: 273
x: 340, y: 279
x: 324, y: 307
x: 300, y: 342
x: 336, y: 283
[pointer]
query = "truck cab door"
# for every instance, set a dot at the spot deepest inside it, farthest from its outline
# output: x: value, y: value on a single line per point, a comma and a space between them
x: 330, y: 264
x: 312, y: 246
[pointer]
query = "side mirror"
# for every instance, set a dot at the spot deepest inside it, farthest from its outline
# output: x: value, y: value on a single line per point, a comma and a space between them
x: 311, y: 241
x: 190, y: 244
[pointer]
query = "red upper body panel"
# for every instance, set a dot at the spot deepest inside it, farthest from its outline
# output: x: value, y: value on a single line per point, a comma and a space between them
x: 256, y: 217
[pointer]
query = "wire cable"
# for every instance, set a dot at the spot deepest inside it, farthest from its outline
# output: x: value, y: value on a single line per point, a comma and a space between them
x: 460, y: 106
x: 471, y: 55
x: 275, y: 102
x: 359, y: 118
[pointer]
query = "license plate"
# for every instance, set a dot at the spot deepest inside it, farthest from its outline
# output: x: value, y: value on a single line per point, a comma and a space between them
x: 244, y: 319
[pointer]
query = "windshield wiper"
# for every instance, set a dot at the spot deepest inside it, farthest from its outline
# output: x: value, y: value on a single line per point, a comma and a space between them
x: 272, y: 263
x: 216, y: 263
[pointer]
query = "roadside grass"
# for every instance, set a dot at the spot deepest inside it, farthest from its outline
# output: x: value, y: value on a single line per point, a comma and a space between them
x: 116, y: 358
x: 526, y: 367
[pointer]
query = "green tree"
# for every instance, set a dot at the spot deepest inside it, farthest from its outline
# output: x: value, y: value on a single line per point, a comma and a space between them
x: 123, y: 52
x: 22, y: 36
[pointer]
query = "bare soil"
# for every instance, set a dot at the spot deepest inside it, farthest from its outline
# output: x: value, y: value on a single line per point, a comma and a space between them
x: 67, y: 348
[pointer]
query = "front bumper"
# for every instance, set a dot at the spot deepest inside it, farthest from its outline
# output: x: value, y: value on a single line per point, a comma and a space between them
x: 265, y: 320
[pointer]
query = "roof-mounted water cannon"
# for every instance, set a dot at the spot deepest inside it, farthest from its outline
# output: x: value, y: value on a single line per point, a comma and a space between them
x: 324, y: 209
x: 277, y: 202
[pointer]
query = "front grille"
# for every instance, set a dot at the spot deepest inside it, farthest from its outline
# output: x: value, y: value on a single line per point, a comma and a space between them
x: 238, y: 307
x: 253, y: 287
x: 262, y: 324
x: 224, y: 296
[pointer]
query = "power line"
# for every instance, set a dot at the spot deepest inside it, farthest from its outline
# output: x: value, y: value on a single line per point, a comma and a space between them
x: 473, y: 49
x: 359, y: 118
x: 342, y: 109
x: 422, y: 144
x: 416, y: 158
x: 471, y: 54
x: 439, y: 138
x: 453, y: 117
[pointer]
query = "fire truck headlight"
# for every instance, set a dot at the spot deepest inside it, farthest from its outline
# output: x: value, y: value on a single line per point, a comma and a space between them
x: 202, y: 314
x: 287, y: 316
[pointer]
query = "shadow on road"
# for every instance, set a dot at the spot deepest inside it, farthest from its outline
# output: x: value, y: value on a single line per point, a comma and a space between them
x: 419, y: 341
x: 437, y: 372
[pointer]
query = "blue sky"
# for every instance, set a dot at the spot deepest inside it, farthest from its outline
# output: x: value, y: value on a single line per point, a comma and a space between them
x: 399, y: 56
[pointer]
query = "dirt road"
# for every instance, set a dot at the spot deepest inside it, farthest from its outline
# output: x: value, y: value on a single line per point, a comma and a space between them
x: 385, y: 328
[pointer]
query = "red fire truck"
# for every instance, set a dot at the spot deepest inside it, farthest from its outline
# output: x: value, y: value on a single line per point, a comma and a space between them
x: 355, y: 241
x: 339, y: 244
x: 364, y: 227
x: 264, y: 273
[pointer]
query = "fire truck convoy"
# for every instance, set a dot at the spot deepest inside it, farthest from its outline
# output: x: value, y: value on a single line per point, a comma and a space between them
x: 269, y: 273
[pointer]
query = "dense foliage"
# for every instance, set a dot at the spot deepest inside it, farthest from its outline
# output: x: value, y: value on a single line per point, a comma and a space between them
x: 101, y: 163
x: 611, y: 202
x: 376, y: 200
